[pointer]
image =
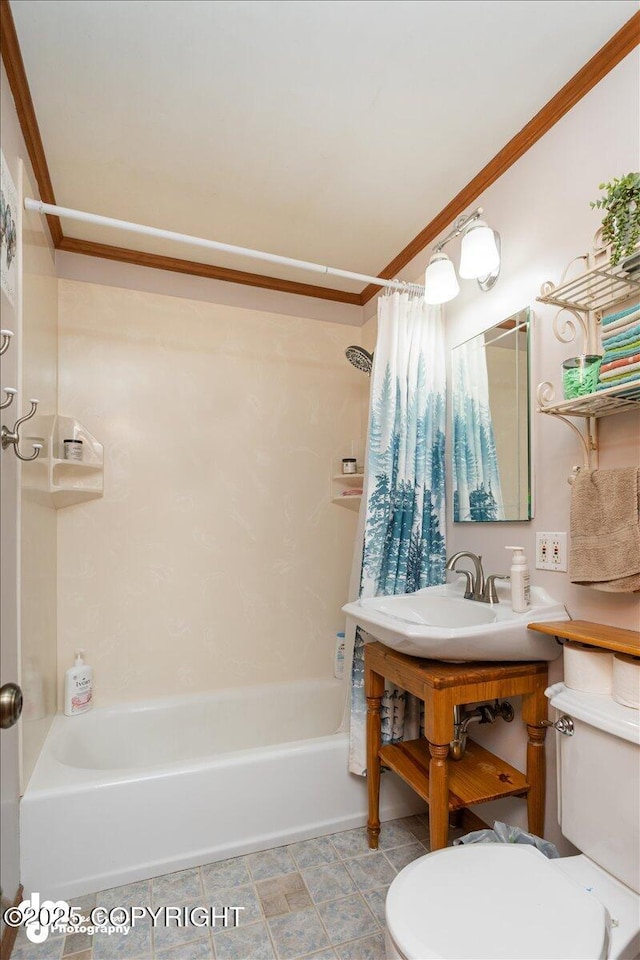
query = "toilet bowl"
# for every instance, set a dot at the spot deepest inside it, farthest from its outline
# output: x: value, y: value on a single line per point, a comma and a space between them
x: 506, y: 901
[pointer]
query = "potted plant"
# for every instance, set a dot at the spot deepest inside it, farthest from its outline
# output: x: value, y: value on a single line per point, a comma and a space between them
x: 621, y: 224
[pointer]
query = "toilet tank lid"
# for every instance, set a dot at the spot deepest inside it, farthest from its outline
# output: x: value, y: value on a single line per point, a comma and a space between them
x: 598, y: 710
x: 493, y: 901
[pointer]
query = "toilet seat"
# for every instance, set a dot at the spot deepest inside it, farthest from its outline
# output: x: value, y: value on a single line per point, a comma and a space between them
x: 493, y: 901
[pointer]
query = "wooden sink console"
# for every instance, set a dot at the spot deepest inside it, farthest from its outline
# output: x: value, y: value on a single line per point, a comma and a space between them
x: 448, y: 785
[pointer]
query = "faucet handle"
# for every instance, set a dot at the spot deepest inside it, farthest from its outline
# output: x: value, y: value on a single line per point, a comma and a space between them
x: 490, y: 594
x: 468, y: 592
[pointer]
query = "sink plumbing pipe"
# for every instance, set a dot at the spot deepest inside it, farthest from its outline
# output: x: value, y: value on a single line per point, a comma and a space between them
x: 484, y: 713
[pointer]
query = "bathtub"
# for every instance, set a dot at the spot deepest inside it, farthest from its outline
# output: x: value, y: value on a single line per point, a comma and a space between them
x: 130, y: 792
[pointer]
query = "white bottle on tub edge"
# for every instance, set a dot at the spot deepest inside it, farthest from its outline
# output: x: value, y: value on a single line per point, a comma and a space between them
x: 520, y: 581
x: 78, y: 687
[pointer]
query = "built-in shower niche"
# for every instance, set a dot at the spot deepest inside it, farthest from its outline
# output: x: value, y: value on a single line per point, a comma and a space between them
x: 54, y: 479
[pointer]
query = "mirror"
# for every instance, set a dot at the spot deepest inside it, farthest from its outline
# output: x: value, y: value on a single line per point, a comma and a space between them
x: 491, y: 424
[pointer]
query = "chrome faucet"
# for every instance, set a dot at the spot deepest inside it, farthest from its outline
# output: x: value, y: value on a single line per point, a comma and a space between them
x: 475, y: 583
x: 476, y: 589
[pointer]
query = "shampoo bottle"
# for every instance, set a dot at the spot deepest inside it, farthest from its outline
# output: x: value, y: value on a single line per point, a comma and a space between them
x: 78, y: 687
x: 520, y: 581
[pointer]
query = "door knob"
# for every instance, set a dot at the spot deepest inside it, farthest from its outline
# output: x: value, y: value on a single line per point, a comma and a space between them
x: 10, y: 705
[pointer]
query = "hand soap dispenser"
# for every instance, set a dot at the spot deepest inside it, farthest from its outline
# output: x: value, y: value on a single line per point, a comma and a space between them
x: 78, y: 687
x: 520, y: 581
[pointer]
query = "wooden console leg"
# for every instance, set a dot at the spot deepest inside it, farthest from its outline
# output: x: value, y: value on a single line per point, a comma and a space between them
x: 536, y: 775
x: 438, y: 796
x: 534, y: 711
x: 374, y: 691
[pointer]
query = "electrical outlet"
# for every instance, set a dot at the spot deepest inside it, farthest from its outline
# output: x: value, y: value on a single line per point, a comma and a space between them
x: 551, y: 551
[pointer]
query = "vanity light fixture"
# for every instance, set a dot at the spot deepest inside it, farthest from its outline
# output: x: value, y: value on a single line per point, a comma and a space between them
x: 479, y: 259
x: 440, y: 281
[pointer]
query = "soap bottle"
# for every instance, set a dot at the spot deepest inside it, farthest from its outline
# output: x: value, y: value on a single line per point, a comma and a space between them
x: 78, y: 687
x: 520, y: 581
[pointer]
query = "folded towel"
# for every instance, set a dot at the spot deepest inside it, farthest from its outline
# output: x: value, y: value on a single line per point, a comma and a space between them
x: 623, y: 337
x: 613, y: 317
x: 605, y: 530
x: 627, y: 320
x: 616, y: 374
x: 618, y: 333
x: 616, y: 364
x: 633, y: 377
x: 620, y: 352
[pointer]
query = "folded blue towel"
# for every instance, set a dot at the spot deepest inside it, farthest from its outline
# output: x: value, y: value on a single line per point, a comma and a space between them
x: 630, y: 378
x: 616, y: 316
x: 620, y: 354
x: 628, y: 336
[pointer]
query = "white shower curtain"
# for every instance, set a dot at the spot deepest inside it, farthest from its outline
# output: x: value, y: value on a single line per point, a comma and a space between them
x: 403, y: 514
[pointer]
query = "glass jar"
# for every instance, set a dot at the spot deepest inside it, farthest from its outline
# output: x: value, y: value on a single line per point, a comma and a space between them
x: 580, y: 376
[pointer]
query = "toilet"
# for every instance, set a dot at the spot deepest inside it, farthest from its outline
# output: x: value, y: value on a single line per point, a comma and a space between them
x: 508, y: 900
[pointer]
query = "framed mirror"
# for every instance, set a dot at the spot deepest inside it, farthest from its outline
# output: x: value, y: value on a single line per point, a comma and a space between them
x: 491, y: 448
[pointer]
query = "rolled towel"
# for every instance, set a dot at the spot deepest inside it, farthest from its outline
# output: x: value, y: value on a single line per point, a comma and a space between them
x: 605, y: 530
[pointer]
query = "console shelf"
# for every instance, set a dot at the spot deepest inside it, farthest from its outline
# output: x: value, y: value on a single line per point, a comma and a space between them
x: 593, y: 634
x: 447, y: 785
x: 479, y: 777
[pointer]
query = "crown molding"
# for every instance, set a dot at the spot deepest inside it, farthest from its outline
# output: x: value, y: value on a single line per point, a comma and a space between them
x: 211, y: 272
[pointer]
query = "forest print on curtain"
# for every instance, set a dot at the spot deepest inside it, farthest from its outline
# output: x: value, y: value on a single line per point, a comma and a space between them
x: 404, y: 538
x: 477, y: 494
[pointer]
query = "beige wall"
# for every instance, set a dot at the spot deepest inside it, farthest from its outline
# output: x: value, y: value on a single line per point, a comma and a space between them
x: 215, y: 558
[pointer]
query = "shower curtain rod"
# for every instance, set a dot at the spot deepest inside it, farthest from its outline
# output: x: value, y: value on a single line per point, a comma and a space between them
x: 69, y: 214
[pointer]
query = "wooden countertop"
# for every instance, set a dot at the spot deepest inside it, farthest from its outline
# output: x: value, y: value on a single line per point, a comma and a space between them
x: 593, y: 634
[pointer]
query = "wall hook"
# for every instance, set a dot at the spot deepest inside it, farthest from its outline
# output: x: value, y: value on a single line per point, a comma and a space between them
x: 13, y: 436
x: 6, y: 340
x: 10, y: 392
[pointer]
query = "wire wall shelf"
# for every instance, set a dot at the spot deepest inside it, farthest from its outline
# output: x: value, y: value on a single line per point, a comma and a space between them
x: 604, y: 403
x: 597, y: 290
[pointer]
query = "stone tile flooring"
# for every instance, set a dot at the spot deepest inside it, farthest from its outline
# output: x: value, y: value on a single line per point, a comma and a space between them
x: 320, y: 899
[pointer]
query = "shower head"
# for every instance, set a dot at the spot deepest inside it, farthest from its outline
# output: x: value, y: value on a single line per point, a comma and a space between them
x: 360, y: 358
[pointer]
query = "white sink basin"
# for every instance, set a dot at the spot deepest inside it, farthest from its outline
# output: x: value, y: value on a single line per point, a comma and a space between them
x: 439, y: 623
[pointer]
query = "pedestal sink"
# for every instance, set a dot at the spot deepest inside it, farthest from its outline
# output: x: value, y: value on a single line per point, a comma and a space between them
x: 440, y: 624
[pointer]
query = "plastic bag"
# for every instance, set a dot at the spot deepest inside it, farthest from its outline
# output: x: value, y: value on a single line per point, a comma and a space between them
x: 505, y: 833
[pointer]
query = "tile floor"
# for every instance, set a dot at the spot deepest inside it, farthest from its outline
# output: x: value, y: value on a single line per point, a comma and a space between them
x: 319, y: 899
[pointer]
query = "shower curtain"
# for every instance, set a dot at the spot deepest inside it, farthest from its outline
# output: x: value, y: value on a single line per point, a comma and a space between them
x: 477, y: 494
x: 403, y: 545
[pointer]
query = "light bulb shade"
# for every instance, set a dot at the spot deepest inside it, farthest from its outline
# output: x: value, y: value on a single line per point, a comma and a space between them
x: 440, y: 281
x: 479, y: 255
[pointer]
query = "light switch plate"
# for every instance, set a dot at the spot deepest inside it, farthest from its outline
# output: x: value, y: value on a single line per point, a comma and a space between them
x: 551, y: 551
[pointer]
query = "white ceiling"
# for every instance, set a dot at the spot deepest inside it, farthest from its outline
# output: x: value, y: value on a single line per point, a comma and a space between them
x: 330, y: 131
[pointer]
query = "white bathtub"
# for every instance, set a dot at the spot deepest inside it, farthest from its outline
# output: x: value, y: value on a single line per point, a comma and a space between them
x: 130, y: 792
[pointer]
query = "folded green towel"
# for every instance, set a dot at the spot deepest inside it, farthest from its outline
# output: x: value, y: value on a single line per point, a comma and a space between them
x: 626, y: 350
